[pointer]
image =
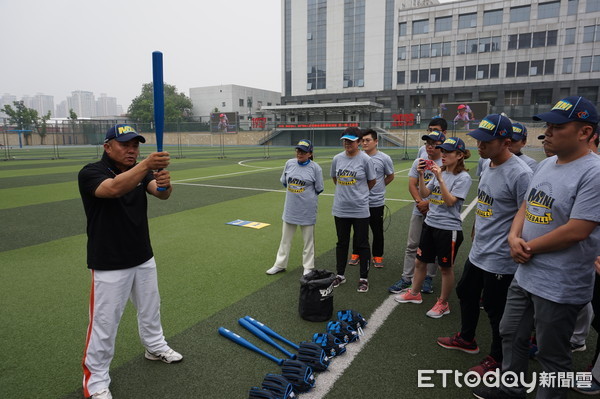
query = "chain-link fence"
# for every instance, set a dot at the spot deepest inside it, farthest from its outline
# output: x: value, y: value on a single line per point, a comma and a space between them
x: 84, y: 138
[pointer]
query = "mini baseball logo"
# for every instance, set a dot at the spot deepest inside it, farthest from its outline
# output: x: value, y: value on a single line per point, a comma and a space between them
x: 562, y: 106
x: 436, y: 196
x: 124, y: 129
x: 296, y: 185
x: 487, y: 125
x: 346, y: 177
x: 484, y: 204
x: 539, y: 207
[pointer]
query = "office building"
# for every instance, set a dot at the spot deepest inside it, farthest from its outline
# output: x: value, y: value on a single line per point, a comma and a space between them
x: 357, y: 60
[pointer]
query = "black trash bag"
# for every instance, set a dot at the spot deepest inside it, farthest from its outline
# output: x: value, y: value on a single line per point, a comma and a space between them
x: 316, y: 295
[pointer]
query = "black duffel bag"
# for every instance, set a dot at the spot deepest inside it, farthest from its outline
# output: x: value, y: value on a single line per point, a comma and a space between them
x: 316, y: 295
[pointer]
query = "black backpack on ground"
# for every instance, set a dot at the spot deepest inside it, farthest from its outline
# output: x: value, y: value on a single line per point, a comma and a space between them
x: 316, y: 295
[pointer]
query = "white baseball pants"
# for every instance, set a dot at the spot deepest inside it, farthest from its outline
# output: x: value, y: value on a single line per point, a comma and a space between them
x: 308, y: 253
x: 110, y: 291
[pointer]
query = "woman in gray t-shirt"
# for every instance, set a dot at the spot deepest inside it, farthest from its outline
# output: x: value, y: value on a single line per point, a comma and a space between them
x: 442, y: 230
x: 353, y: 174
x: 303, y: 180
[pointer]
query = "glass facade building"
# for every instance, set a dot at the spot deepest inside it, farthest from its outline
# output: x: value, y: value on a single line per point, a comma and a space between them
x: 406, y: 54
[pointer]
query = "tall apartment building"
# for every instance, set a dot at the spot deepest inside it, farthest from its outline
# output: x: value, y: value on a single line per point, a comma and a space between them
x: 7, y: 99
x: 106, y: 106
x: 402, y: 56
x: 82, y: 103
x: 42, y: 103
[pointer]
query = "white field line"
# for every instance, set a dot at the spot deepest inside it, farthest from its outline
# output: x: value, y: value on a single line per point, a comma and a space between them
x: 243, y: 163
x: 224, y: 174
x: 266, y: 189
x: 336, y: 368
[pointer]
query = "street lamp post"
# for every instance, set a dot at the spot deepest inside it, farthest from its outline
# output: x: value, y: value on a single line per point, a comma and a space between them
x: 419, y: 92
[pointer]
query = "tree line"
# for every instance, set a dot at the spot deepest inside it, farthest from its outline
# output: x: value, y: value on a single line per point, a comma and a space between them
x: 178, y: 108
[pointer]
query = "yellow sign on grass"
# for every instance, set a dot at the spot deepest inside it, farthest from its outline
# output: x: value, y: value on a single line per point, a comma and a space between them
x: 245, y: 223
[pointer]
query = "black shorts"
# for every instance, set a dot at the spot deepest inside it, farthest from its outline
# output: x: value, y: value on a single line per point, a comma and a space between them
x: 440, y: 244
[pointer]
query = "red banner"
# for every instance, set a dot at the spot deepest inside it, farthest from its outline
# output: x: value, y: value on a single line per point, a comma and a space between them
x: 316, y: 125
x: 259, y: 123
x: 400, y: 120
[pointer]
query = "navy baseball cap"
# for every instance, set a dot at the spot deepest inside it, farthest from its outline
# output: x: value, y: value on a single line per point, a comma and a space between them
x: 434, y: 135
x: 304, y: 145
x: 572, y: 108
x: 519, y: 132
x: 492, y: 127
x: 123, y: 132
x: 453, y: 144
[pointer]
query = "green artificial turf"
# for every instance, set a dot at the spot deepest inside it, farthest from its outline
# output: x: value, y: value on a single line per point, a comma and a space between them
x: 210, y: 274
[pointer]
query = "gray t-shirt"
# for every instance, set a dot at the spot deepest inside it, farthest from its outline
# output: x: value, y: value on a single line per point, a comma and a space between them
x: 499, y: 196
x: 422, y: 152
x: 383, y: 167
x: 303, y: 184
x: 532, y: 163
x: 482, y: 164
x: 427, y: 176
x: 445, y: 217
x: 351, y: 199
x: 557, y: 193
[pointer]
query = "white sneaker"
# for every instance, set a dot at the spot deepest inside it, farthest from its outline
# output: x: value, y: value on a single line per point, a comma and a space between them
x: 168, y: 356
x: 275, y: 270
x: 103, y: 394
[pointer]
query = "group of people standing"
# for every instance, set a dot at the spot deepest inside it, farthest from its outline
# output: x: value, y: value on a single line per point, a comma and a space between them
x: 532, y: 264
x: 360, y: 178
x: 535, y: 237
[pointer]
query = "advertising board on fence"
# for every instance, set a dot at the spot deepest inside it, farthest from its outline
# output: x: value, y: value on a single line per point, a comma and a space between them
x: 224, y: 122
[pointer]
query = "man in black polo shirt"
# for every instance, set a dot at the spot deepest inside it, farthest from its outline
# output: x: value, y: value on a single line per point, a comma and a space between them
x: 119, y: 253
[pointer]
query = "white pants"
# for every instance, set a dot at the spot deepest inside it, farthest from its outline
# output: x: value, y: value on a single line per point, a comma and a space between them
x: 308, y: 253
x: 110, y: 291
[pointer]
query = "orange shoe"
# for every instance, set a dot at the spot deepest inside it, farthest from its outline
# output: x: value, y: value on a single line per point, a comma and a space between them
x: 354, y: 260
x: 406, y: 296
x: 439, y: 309
x: 378, y: 262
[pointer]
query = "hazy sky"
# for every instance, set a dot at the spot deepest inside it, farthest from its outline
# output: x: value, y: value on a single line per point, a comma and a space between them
x: 105, y: 46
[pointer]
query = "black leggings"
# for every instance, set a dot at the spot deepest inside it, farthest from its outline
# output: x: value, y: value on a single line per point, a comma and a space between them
x: 376, y: 223
x: 361, y: 236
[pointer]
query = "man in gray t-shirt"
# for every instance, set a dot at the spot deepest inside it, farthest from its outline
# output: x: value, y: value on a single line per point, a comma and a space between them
x: 551, y: 239
x: 489, y: 269
x: 518, y: 141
